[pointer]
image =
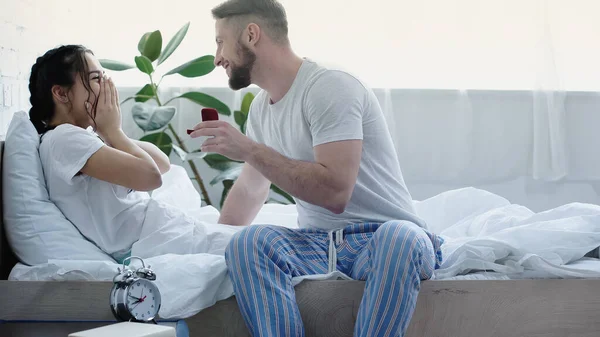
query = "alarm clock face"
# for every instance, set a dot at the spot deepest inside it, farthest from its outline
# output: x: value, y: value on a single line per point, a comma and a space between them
x: 143, y: 300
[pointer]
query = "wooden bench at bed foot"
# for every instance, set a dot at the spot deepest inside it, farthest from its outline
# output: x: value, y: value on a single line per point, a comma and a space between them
x: 540, y: 308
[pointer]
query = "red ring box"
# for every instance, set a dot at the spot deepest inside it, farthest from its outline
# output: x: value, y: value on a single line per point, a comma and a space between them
x: 208, y: 114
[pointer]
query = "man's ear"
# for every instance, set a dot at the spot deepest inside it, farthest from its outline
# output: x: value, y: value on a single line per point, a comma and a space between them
x: 60, y: 93
x: 254, y: 33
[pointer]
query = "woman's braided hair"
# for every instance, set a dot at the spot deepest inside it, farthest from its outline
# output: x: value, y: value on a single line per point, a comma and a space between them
x: 57, y: 66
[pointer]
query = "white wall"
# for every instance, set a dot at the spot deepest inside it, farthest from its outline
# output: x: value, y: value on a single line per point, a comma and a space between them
x: 434, y: 44
x: 15, y: 62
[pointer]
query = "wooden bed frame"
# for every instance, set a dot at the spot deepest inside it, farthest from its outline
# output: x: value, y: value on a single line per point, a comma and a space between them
x: 541, y: 308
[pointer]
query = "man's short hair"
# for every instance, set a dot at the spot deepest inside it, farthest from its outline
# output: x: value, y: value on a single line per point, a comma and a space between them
x: 269, y: 13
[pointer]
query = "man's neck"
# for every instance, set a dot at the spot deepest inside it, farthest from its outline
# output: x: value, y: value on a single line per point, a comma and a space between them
x: 277, y: 72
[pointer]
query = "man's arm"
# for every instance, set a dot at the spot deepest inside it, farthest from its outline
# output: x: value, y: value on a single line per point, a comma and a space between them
x: 328, y: 182
x: 246, y: 197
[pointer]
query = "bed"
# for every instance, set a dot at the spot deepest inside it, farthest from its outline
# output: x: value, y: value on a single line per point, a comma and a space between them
x: 455, y: 307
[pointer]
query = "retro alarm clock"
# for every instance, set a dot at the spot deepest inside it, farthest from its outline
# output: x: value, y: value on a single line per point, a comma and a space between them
x: 134, y: 296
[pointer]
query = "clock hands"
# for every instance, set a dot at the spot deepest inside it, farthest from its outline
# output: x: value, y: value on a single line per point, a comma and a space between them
x: 142, y: 297
x: 135, y: 298
x: 138, y: 299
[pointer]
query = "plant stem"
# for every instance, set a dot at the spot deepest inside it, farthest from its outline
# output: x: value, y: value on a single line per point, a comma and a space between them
x: 155, y: 90
x: 182, y: 146
x: 193, y: 167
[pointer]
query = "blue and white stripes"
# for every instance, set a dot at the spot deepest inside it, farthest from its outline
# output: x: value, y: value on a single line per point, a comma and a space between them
x: 392, y: 257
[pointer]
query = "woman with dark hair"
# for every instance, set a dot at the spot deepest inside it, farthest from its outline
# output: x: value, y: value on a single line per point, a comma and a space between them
x: 99, y: 178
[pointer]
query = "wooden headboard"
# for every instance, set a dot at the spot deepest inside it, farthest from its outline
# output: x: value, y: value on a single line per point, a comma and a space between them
x: 7, y: 257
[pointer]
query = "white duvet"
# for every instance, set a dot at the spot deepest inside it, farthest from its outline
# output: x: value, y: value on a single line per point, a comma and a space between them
x: 482, y: 231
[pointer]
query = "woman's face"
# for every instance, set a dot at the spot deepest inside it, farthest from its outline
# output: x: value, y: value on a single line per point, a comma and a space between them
x: 82, y: 93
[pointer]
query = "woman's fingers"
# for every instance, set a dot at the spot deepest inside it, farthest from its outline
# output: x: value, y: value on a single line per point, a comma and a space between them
x: 108, y: 91
x: 115, y: 93
x: 102, y: 94
x: 112, y: 91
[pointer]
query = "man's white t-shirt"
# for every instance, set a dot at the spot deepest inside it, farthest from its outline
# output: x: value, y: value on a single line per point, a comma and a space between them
x: 107, y: 214
x: 322, y: 106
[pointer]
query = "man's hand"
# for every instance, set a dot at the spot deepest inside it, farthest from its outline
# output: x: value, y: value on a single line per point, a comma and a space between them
x: 227, y: 140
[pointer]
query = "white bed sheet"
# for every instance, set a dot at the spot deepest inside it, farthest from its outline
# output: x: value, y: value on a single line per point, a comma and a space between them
x: 586, y: 265
x: 482, y: 231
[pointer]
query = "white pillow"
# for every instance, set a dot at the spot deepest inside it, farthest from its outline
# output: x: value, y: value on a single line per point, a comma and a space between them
x: 36, y: 229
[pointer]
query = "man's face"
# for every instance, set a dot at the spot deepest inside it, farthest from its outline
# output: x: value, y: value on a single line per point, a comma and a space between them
x: 235, y: 57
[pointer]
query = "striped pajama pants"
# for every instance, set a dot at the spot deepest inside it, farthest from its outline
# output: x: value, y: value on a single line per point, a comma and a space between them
x: 392, y: 257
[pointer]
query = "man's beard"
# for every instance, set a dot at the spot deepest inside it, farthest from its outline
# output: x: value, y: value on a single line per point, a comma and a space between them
x: 240, y: 75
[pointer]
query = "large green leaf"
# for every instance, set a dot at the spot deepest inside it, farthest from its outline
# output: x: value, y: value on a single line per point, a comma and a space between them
x: 240, y: 118
x: 145, y: 93
x: 282, y: 193
x: 150, y: 45
x: 144, y: 64
x: 115, y: 65
x: 227, y: 185
x: 219, y: 162
x: 161, y: 140
x: 152, y: 118
x: 248, y: 98
x: 206, y: 101
x: 173, y: 43
x: 230, y: 174
x: 195, y: 68
x: 142, y: 42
